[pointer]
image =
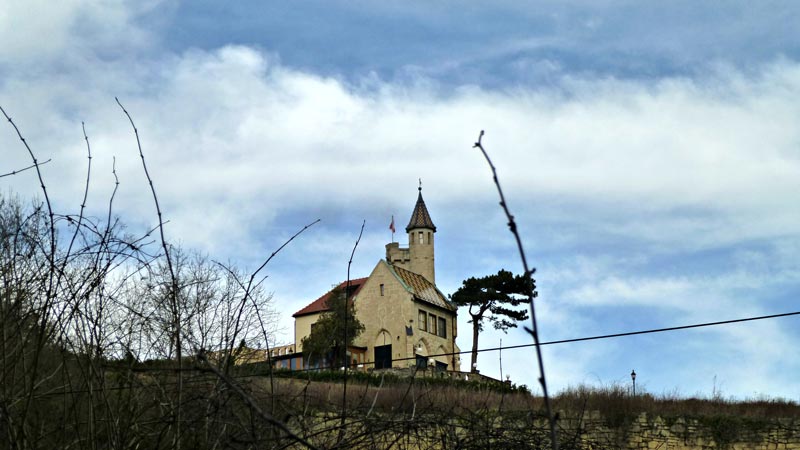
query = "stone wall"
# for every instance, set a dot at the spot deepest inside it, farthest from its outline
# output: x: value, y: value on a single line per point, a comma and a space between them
x: 649, y: 433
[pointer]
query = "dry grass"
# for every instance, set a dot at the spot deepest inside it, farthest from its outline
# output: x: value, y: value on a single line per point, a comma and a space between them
x: 615, y: 403
x: 409, y: 397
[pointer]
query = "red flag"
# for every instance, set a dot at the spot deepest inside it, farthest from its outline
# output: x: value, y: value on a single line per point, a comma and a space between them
x: 391, y: 225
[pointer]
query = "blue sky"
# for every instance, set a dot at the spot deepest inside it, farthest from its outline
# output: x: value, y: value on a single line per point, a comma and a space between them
x: 650, y: 153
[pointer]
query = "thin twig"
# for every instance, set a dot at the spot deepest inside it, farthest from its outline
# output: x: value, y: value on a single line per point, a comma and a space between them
x: 83, y: 202
x: 15, y: 172
x: 346, y: 308
x: 153, y: 190
x: 247, y: 295
x: 250, y: 285
x: 281, y: 248
x: 111, y: 201
x: 512, y: 225
x: 174, y: 280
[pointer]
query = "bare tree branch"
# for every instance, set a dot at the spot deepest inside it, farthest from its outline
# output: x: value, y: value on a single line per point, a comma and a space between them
x: 346, y: 309
x: 534, y: 331
x: 174, y: 287
x: 18, y: 171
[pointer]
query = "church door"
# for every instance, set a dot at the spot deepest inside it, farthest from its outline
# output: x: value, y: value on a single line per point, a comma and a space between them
x: 383, y: 357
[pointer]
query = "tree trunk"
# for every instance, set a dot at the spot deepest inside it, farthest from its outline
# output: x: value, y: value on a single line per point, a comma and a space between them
x: 475, y: 330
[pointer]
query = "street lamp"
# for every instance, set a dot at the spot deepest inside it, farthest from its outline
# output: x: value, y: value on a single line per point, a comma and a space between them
x: 633, y: 378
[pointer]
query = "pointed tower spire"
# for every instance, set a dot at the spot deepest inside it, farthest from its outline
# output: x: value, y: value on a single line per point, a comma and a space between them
x: 419, y: 256
x: 420, y: 218
x: 420, y: 240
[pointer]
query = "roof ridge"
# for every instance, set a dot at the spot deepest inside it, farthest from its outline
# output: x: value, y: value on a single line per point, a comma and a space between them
x: 413, y: 273
x: 419, y: 291
x: 319, y: 305
x: 392, y: 268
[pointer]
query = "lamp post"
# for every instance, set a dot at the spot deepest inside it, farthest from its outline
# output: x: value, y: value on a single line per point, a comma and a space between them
x: 633, y: 378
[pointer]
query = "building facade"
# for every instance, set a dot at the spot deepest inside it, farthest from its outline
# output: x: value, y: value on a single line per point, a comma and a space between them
x: 407, y: 320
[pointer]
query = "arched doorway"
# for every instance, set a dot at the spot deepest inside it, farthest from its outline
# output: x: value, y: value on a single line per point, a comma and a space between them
x: 383, y: 350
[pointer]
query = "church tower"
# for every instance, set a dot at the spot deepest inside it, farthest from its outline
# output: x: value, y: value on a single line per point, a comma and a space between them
x: 419, y: 256
x: 420, y: 231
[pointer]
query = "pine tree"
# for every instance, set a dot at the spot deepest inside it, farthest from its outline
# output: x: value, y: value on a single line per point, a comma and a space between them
x: 492, y: 298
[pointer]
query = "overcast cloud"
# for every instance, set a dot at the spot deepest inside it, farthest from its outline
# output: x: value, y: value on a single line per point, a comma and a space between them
x: 649, y: 196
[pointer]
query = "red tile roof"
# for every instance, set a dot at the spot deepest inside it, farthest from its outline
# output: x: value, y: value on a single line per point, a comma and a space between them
x: 321, y: 304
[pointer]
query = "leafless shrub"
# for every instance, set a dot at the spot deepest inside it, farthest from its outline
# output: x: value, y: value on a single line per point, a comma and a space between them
x: 95, y: 323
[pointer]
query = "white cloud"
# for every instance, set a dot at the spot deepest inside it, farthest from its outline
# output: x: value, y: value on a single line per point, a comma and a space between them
x: 37, y: 31
x: 233, y: 123
x: 237, y: 143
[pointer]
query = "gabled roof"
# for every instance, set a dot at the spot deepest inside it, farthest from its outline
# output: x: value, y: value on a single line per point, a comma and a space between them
x: 421, y: 288
x: 321, y: 304
x: 420, y: 218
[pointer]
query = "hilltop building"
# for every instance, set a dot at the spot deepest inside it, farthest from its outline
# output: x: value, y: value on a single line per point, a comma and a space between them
x: 407, y: 320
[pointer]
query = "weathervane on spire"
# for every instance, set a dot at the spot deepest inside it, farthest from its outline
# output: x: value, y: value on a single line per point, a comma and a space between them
x: 420, y: 184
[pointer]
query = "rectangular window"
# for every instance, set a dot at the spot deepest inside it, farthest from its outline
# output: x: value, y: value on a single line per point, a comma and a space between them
x: 420, y: 238
x: 442, y: 327
x: 381, y: 290
x: 423, y: 320
x: 429, y: 237
x: 431, y: 323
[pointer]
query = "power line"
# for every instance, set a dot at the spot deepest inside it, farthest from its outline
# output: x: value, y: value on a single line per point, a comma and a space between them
x: 580, y: 339
x: 606, y: 336
x: 491, y: 349
x: 656, y: 330
x: 561, y: 341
